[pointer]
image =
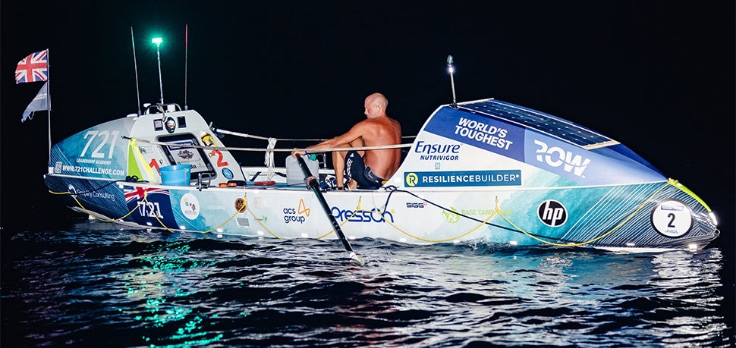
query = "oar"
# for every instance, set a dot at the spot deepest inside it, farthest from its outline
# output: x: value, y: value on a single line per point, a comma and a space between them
x: 312, y: 182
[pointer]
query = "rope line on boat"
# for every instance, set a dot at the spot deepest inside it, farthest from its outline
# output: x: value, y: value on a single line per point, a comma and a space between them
x: 497, y: 211
x: 259, y: 222
x: 89, y: 212
x: 289, y: 150
x: 138, y: 204
x: 482, y: 223
x: 88, y: 191
x: 392, y: 189
x: 167, y: 228
x: 603, y: 235
x: 245, y: 135
x: 355, y: 211
x: 145, y: 200
x: 331, y: 231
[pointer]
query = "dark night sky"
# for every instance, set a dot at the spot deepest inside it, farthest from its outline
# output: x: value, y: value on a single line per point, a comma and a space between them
x: 657, y: 76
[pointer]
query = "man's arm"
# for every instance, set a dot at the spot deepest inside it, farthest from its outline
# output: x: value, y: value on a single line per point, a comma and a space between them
x: 344, y: 139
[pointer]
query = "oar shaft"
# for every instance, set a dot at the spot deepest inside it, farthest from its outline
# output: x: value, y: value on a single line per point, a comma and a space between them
x: 314, y: 185
x: 315, y: 188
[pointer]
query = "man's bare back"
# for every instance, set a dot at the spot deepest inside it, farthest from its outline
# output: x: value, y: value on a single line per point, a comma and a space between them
x: 376, y: 130
x: 382, y: 131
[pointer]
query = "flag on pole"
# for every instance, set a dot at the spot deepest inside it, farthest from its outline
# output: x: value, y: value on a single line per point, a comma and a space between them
x: 39, y: 103
x: 33, y: 68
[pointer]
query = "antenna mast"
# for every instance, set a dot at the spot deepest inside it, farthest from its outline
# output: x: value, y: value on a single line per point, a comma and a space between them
x: 451, y: 70
x: 157, y: 41
x: 186, y: 58
x: 135, y: 65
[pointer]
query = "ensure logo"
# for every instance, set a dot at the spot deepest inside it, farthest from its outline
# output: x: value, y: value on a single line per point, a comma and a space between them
x: 556, y: 156
x: 552, y: 213
x: 437, y: 152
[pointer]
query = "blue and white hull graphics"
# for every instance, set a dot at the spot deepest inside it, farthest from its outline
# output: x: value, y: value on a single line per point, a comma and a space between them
x: 480, y: 171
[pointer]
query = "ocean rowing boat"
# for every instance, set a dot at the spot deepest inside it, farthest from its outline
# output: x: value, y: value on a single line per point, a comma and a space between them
x: 484, y: 170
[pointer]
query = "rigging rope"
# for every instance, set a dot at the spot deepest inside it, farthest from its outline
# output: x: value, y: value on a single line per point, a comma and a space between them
x: 392, y: 189
x: 269, y: 157
x: 254, y: 149
x: 497, y: 211
x: 244, y: 135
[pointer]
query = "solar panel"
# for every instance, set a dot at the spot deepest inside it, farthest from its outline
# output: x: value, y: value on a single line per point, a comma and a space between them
x: 544, y: 123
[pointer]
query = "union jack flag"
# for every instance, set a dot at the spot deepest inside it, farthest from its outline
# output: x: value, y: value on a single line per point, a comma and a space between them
x: 33, y: 68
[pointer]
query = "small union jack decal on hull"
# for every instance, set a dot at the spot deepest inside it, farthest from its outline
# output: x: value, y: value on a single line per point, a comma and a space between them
x: 152, y: 205
x: 136, y: 193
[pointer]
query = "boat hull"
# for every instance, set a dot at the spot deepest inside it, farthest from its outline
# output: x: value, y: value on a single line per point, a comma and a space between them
x: 657, y: 215
x: 484, y: 170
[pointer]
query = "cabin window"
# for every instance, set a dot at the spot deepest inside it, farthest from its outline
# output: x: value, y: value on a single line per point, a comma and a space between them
x: 180, y: 149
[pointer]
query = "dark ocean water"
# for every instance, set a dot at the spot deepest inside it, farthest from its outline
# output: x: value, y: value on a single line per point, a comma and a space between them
x: 95, y: 285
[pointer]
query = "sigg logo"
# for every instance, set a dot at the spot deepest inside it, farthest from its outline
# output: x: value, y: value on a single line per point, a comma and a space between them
x: 556, y: 156
x: 552, y: 213
x: 415, y: 204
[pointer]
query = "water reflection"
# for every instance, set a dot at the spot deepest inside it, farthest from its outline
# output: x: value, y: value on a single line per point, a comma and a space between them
x: 180, y: 290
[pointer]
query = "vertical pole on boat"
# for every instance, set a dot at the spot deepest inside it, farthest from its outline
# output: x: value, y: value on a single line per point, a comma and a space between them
x: 451, y: 70
x: 314, y: 185
x: 157, y: 41
x: 135, y: 66
x: 48, y: 94
x: 186, y: 58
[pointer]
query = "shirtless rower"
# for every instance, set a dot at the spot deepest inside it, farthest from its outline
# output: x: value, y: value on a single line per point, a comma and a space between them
x: 365, y: 169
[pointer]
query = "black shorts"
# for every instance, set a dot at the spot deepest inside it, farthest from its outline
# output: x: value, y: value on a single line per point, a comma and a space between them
x: 356, y: 169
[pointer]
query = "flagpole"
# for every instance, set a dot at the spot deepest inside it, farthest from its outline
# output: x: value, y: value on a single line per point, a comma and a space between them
x: 48, y: 94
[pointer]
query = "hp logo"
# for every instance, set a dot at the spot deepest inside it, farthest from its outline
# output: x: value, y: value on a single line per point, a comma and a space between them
x: 552, y: 213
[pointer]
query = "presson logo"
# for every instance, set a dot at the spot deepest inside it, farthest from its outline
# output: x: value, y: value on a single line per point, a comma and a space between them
x: 556, y: 156
x: 552, y: 213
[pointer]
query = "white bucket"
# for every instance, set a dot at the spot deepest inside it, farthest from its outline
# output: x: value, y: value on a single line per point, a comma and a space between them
x: 294, y: 173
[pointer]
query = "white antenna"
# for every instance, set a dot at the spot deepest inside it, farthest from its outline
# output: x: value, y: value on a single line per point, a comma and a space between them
x: 157, y: 41
x: 451, y: 70
x: 135, y: 65
x: 186, y: 56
